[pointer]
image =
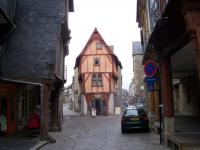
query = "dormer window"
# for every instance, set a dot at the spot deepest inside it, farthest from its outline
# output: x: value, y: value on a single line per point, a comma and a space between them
x: 98, y: 45
x: 97, y: 61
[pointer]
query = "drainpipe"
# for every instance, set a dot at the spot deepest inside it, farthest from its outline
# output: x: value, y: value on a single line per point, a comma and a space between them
x: 41, y: 99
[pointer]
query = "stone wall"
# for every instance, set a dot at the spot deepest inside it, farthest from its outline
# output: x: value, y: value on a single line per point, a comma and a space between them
x: 138, y: 74
x: 186, y: 97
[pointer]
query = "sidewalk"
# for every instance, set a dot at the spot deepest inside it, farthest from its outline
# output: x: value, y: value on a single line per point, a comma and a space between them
x: 25, y: 142
x: 68, y: 112
x: 20, y: 142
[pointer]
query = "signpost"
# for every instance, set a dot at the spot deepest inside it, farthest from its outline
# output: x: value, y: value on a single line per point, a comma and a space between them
x: 150, y: 69
x: 150, y: 86
x: 153, y: 79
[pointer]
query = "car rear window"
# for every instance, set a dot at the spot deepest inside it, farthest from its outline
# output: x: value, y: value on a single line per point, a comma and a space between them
x: 131, y: 112
x: 134, y: 112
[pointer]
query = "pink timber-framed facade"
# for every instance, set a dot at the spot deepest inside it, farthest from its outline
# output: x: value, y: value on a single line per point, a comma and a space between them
x: 98, y: 69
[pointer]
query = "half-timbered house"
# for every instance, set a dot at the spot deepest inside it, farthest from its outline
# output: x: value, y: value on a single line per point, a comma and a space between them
x: 98, y: 72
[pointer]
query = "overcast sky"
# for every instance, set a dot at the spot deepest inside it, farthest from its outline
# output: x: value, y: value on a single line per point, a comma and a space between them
x: 116, y: 22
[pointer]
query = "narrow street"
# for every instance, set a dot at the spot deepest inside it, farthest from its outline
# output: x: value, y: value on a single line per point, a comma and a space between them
x: 99, y: 133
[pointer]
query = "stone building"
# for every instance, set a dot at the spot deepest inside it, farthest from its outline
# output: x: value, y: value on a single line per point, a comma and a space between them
x: 77, y: 91
x: 138, y: 73
x: 69, y: 97
x: 125, y: 99
x: 118, y: 94
x: 132, y: 99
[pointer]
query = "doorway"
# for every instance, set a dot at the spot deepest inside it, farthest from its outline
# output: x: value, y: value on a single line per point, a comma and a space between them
x: 8, y: 110
x: 99, y: 105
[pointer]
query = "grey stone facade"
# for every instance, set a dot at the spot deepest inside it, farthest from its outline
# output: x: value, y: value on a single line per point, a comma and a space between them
x: 77, y: 91
x: 138, y: 72
x: 118, y: 95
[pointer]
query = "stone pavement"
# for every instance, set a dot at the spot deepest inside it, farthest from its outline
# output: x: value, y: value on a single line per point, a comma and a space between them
x: 25, y: 142
x: 20, y: 142
x: 99, y: 133
x: 68, y: 112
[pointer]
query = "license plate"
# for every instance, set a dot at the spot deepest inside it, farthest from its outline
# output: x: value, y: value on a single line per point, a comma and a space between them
x: 134, y: 119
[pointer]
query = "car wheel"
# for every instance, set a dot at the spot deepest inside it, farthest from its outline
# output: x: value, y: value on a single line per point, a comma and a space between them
x: 123, y: 130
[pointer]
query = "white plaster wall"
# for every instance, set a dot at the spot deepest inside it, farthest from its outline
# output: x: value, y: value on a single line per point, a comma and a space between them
x: 111, y: 104
x: 83, y: 105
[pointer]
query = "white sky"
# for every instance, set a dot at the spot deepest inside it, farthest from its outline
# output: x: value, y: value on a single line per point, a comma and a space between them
x: 116, y: 22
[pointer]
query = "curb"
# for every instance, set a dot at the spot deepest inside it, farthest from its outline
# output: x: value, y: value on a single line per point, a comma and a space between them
x: 43, y: 143
x: 39, y: 145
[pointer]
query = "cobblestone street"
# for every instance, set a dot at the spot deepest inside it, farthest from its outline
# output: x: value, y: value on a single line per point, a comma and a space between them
x: 100, y: 133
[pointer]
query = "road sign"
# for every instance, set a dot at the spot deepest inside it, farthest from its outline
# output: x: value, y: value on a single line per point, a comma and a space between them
x: 150, y: 68
x: 153, y: 79
x: 150, y: 86
x: 150, y: 83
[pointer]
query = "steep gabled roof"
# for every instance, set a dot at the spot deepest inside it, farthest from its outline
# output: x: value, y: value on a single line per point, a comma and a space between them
x: 96, y: 36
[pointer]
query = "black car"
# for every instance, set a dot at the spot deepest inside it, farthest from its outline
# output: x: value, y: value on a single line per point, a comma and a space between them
x: 134, y: 118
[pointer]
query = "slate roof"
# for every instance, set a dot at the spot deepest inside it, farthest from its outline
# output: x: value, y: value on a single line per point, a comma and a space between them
x: 31, y: 49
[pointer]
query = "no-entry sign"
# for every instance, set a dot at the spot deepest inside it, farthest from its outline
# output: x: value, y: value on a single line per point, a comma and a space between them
x: 150, y: 68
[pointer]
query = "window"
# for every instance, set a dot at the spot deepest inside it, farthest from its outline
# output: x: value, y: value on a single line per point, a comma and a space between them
x: 131, y: 112
x: 96, y: 61
x: 98, y: 46
x: 135, y: 112
x: 97, y: 79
